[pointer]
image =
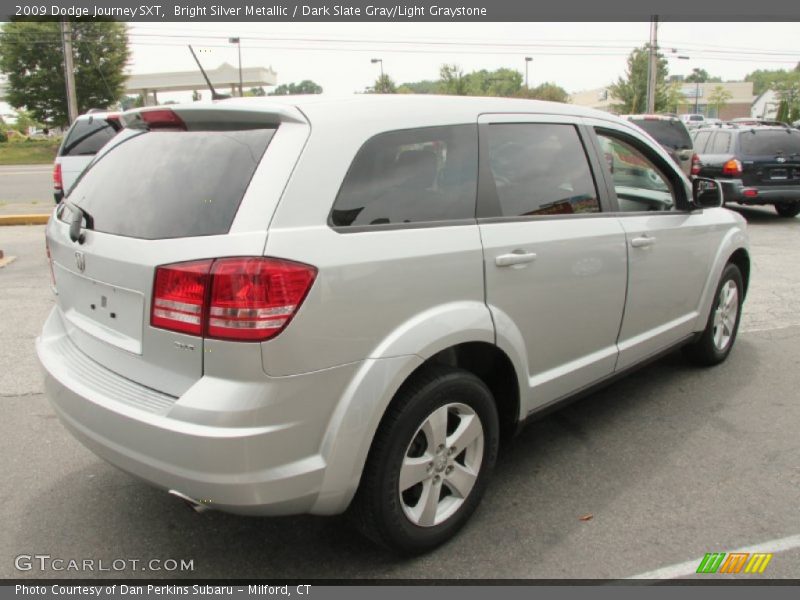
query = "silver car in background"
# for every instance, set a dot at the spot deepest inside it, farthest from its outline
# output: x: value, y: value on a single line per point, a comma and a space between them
x: 316, y: 305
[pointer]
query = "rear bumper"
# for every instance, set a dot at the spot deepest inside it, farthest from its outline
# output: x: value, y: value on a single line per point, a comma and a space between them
x: 734, y: 191
x: 247, y: 447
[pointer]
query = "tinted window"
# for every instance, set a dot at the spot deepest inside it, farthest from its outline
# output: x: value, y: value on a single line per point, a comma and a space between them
x: 87, y: 136
x: 169, y: 184
x: 411, y: 176
x: 770, y: 141
x: 668, y: 133
x: 720, y: 144
x: 639, y: 184
x: 700, y: 141
x: 540, y: 169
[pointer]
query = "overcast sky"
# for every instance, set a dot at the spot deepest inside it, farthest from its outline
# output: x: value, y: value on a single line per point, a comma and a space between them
x: 576, y: 56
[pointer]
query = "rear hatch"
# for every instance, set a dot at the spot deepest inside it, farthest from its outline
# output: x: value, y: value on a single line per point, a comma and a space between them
x: 167, y: 191
x: 84, y: 139
x: 672, y: 135
x: 770, y: 157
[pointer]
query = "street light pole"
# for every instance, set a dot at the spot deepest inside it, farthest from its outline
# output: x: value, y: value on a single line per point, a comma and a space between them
x: 69, y: 70
x: 238, y: 42
x: 528, y: 59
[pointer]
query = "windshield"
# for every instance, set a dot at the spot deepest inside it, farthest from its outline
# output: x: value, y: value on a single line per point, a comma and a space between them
x: 169, y: 184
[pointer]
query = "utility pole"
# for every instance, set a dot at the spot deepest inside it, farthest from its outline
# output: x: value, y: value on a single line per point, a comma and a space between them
x: 69, y: 70
x: 652, y: 66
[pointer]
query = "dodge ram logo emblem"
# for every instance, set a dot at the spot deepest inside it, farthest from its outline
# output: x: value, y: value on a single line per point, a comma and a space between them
x: 780, y: 159
x: 80, y: 261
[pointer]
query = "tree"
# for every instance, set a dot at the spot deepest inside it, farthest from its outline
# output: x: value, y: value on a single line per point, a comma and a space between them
x: 256, y: 91
x: 31, y: 57
x: 631, y: 90
x: 701, y: 76
x: 304, y: 87
x: 545, y: 91
x: 765, y: 79
x: 451, y: 80
x: 719, y: 97
x: 384, y: 85
x: 419, y: 87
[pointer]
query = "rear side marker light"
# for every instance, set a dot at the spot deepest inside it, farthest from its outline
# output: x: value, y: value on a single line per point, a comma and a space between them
x: 240, y: 299
x: 750, y: 192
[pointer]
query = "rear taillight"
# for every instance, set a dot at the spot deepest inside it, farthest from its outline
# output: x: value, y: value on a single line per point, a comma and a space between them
x: 244, y: 299
x: 696, y: 164
x: 58, y: 181
x: 179, y: 296
x: 732, y: 167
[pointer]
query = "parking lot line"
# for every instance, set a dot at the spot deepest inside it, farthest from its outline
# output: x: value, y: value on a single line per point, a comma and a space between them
x: 689, y: 567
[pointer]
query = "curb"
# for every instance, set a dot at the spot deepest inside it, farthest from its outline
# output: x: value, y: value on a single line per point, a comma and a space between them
x: 24, y: 219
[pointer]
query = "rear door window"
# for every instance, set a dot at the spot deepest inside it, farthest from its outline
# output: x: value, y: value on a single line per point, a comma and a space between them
x: 540, y: 169
x: 170, y: 184
x: 771, y: 142
x: 721, y: 143
x: 87, y: 136
x: 700, y: 141
x: 411, y: 176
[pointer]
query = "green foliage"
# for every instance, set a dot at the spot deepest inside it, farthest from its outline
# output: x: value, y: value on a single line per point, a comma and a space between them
x: 31, y: 57
x: 451, y: 80
x: 256, y: 91
x: 631, y: 90
x: 701, y: 76
x: 719, y: 97
x: 21, y: 152
x: 304, y: 87
x: 765, y: 79
x: 384, y: 85
x: 545, y: 91
x: 419, y: 87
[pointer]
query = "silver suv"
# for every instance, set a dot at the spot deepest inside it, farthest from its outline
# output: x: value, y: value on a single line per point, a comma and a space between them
x: 309, y: 305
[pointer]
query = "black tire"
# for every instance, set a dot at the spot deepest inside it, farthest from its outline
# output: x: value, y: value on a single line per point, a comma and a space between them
x: 787, y: 209
x: 378, y: 509
x: 705, y: 351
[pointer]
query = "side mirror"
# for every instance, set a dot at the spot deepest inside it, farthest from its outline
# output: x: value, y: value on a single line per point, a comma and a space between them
x: 706, y: 193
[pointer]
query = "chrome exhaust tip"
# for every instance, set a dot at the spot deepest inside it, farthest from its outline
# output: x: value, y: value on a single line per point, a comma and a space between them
x: 196, y: 506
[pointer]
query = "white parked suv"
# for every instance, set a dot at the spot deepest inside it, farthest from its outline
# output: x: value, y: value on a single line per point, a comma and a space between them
x: 316, y: 305
x: 83, y: 140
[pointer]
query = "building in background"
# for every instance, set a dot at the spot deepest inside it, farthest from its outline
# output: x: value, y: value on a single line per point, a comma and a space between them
x: 696, y: 98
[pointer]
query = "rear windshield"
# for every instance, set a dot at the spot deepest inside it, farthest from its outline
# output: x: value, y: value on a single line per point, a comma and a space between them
x: 760, y: 143
x: 672, y: 134
x: 170, y: 184
x: 87, y: 136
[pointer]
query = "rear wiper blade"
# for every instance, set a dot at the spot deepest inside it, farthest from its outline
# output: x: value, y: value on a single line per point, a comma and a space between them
x: 79, y: 215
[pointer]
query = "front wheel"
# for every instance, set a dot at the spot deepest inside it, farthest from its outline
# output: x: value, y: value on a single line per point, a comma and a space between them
x: 430, y: 461
x: 788, y: 209
x: 717, y: 339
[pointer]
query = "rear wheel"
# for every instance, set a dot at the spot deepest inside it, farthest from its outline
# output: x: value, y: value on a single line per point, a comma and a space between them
x: 788, y: 209
x: 430, y: 461
x: 717, y: 339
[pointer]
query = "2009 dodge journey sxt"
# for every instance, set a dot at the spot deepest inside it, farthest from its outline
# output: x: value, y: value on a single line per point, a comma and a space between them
x: 313, y: 305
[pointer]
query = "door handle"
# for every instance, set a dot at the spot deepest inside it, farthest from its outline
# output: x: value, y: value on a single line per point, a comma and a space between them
x: 643, y: 242
x: 518, y: 257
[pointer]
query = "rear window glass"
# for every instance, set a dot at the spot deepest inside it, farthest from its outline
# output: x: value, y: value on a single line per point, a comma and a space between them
x: 766, y: 141
x: 87, y: 136
x: 721, y: 143
x: 411, y: 176
x: 672, y: 134
x: 700, y: 140
x: 169, y: 184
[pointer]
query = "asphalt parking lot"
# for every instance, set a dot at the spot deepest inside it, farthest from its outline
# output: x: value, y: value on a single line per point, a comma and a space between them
x: 671, y: 462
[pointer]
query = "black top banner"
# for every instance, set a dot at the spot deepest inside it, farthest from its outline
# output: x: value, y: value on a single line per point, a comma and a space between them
x: 409, y: 10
